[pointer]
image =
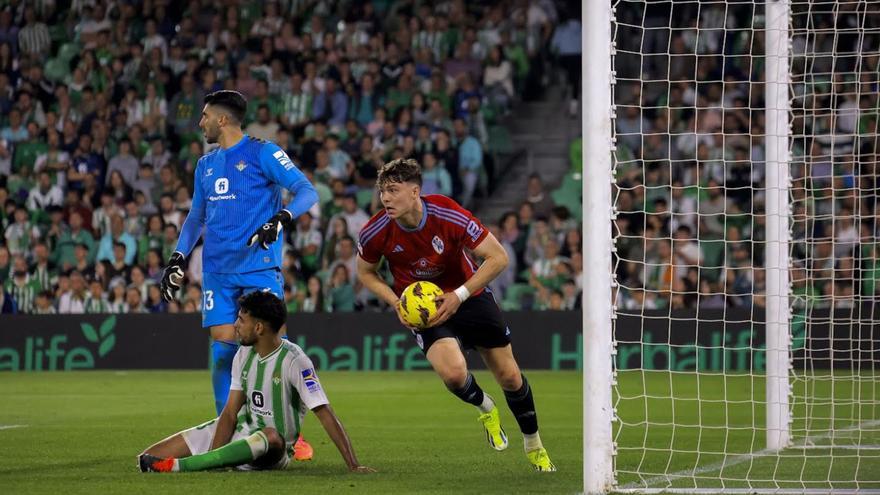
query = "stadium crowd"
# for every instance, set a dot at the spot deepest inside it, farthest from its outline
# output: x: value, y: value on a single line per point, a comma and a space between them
x: 690, y: 201
x: 100, y: 104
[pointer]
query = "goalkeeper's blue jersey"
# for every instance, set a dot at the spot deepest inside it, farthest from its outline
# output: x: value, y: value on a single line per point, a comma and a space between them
x: 236, y: 190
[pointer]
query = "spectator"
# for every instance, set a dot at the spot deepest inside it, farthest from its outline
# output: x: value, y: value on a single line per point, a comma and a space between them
x: 435, y: 180
x: 470, y: 162
x: 73, y: 301
x: 96, y: 301
x: 355, y: 218
x: 341, y: 293
x: 331, y: 106
x: 44, y: 194
x: 314, y: 298
x: 134, y: 301
x: 124, y: 163
x: 307, y: 244
x: 33, y: 38
x: 347, y: 256
x: 21, y: 234
x: 264, y: 128
x: 21, y: 286
x: 116, y: 234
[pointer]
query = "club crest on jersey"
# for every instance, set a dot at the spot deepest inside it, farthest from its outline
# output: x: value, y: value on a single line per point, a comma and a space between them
x: 241, y: 166
x: 438, y: 244
x: 311, y: 380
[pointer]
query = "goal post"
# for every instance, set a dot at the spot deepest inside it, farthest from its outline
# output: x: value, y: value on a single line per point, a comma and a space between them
x: 731, y: 301
x: 776, y: 110
x: 597, y: 300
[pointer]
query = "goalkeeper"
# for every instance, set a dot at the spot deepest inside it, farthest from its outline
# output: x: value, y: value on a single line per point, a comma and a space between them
x: 274, y: 384
x: 237, y: 206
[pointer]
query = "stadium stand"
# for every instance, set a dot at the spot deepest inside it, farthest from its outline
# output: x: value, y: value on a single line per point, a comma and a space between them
x: 99, y: 135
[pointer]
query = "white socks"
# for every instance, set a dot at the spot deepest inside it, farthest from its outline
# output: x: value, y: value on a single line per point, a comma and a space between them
x: 532, y: 442
x: 487, y: 404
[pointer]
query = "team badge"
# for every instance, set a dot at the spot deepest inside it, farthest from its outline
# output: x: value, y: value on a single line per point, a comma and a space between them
x: 241, y: 166
x: 438, y: 244
x: 311, y: 380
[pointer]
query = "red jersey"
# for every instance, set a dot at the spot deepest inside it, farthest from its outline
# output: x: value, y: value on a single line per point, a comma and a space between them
x: 433, y: 251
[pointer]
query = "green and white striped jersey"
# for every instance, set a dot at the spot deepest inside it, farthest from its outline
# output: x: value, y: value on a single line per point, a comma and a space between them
x: 279, y: 389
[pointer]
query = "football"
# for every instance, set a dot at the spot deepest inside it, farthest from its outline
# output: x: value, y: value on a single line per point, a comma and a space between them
x: 417, y: 303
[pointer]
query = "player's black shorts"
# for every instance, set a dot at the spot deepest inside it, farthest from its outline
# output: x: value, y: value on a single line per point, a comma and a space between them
x: 477, y: 323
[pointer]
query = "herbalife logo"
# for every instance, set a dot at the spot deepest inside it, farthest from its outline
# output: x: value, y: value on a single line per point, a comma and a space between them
x: 54, y: 352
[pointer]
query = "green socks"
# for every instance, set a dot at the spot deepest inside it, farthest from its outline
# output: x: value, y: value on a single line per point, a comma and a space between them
x: 232, y: 454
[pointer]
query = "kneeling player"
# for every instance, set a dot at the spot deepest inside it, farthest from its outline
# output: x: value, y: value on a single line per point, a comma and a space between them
x: 273, y: 384
x: 426, y: 238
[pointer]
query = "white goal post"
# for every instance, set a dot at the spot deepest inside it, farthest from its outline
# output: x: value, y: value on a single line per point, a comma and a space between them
x: 731, y: 309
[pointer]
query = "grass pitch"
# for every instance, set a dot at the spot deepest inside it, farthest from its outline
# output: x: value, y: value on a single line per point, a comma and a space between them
x: 80, y: 432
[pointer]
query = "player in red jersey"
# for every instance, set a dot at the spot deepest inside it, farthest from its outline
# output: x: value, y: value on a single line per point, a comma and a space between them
x: 428, y: 238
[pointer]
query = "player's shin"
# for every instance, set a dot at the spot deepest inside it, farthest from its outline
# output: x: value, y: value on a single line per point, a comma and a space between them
x: 222, y: 353
x: 522, y: 405
x: 471, y: 393
x: 232, y: 454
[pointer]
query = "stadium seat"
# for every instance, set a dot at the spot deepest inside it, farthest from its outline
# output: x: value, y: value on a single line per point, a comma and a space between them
x: 364, y: 198
x: 513, y: 298
x: 69, y: 50
x: 569, y: 194
x: 499, y: 140
x: 56, y: 70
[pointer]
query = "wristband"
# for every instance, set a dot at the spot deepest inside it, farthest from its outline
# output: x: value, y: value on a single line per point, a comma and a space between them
x: 463, y: 293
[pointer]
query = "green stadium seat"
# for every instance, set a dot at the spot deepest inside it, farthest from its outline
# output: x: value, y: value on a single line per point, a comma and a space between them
x: 513, y: 298
x: 56, y: 70
x: 364, y: 198
x: 69, y: 50
x: 499, y: 140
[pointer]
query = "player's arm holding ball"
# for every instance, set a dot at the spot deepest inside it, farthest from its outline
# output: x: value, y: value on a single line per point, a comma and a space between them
x: 368, y: 274
x: 494, y: 262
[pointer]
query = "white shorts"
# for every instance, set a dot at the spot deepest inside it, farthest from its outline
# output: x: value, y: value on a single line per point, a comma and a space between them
x: 198, y: 439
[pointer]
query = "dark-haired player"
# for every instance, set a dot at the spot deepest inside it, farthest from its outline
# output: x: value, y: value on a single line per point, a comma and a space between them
x: 237, y: 187
x: 273, y: 385
x: 428, y: 238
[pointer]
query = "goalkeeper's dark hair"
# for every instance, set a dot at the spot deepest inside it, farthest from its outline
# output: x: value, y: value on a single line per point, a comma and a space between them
x: 264, y: 306
x: 400, y: 170
x: 232, y: 101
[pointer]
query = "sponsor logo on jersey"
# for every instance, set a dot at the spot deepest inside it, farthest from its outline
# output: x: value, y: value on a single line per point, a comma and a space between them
x: 424, y: 268
x: 438, y: 244
x: 397, y: 248
x: 474, y: 230
x: 241, y: 166
x: 257, y: 398
x: 311, y: 380
x: 283, y: 159
x: 221, y: 187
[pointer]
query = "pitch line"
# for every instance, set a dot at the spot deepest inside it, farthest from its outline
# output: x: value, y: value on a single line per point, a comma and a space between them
x: 740, y: 458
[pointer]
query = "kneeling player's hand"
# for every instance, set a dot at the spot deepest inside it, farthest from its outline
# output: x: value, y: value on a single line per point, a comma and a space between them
x: 361, y: 469
x: 447, y: 304
x: 172, y: 277
x: 269, y: 232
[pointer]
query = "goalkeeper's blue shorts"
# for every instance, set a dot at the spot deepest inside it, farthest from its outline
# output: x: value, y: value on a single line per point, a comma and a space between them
x: 220, y: 293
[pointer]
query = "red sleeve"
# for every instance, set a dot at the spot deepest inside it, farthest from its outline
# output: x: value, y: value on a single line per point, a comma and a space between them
x: 472, y: 231
x: 370, y: 241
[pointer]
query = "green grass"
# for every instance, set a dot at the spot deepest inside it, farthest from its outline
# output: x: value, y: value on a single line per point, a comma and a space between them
x: 721, y: 418
x: 84, y: 430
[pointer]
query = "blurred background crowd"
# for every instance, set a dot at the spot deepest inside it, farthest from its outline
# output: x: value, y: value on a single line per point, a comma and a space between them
x: 691, y: 191
x: 100, y: 104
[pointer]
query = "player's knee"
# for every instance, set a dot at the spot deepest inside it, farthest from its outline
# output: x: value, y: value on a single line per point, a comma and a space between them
x: 454, y: 377
x: 274, y: 439
x: 510, y: 379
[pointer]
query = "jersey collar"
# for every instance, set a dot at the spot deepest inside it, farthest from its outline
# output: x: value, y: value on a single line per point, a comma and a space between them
x: 235, y: 146
x: 421, y: 222
x: 268, y: 356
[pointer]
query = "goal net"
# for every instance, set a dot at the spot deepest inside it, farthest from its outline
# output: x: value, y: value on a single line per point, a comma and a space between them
x: 745, y: 233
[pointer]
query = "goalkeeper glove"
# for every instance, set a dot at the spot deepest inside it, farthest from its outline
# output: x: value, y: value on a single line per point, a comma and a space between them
x: 172, y: 277
x: 268, y: 233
